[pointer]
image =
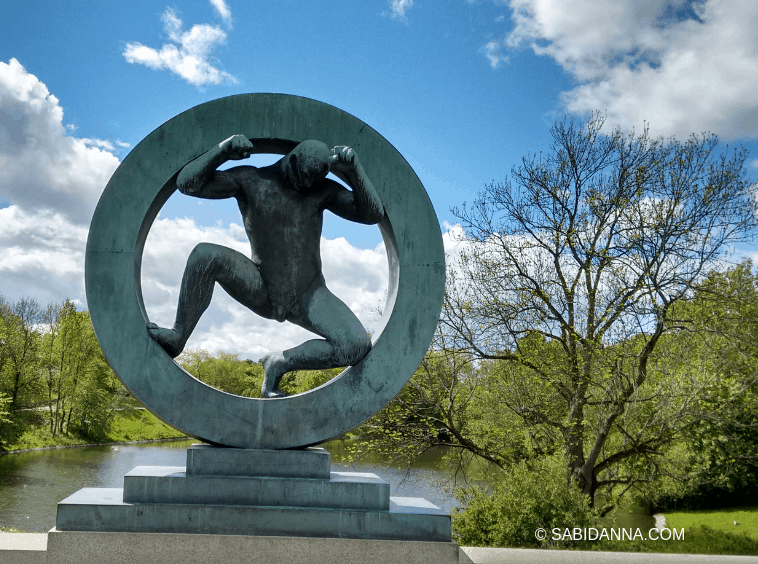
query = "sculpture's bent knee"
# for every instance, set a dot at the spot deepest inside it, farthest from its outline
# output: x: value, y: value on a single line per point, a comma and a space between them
x: 203, y: 254
x: 352, y: 350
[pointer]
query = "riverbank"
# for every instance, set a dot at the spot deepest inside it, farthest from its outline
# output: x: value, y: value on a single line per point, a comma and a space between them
x: 134, y: 425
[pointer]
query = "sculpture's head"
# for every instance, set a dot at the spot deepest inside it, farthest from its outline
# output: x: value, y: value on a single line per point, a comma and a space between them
x: 307, y: 164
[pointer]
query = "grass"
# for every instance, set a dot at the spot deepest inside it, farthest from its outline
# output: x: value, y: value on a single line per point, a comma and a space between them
x: 697, y: 540
x: 127, y: 425
x: 705, y: 532
x: 718, y: 519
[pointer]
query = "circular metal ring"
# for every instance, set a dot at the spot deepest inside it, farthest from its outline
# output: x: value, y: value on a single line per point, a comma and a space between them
x: 131, y: 201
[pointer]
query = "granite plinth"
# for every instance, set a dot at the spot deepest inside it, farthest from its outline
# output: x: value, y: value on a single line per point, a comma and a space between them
x: 167, y: 484
x: 103, y: 510
x: 206, y: 460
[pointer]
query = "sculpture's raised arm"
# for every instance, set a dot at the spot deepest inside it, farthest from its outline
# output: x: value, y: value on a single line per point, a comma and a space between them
x: 201, y: 179
x: 362, y: 204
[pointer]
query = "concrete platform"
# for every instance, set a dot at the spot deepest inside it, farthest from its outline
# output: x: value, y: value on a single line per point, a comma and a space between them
x: 103, y: 510
x: 23, y: 548
x: 344, y: 490
x: 107, y: 548
x: 157, y: 548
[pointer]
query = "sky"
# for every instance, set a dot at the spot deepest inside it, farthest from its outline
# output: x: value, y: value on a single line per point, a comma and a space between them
x: 462, y: 88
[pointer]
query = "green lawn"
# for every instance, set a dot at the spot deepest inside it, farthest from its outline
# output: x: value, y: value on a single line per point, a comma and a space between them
x: 127, y: 425
x: 719, y: 520
x: 705, y: 532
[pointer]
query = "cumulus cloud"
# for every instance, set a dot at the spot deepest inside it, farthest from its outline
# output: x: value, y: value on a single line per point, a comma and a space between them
x: 399, y: 7
x: 188, y: 53
x: 684, y: 66
x: 42, y: 167
x: 42, y: 256
x: 357, y: 276
x: 52, y: 182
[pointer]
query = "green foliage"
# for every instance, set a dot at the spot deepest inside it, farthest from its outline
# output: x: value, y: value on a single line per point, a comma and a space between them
x: 82, y: 392
x: 725, y: 446
x: 56, y: 387
x: 304, y: 380
x: 447, y: 402
x: 225, y: 372
x: 20, y: 371
x: 4, y: 401
x: 139, y: 425
x: 530, y: 497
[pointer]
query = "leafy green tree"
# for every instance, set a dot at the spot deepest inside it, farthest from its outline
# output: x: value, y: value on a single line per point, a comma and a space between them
x: 81, y: 388
x: 724, y: 446
x: 20, y: 374
x: 447, y: 402
x: 568, y: 285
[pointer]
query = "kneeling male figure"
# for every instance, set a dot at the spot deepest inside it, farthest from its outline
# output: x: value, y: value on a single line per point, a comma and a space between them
x: 282, y: 208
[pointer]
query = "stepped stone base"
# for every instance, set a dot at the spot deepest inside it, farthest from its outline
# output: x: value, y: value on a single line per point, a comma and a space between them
x: 103, y: 509
x: 228, y: 491
x: 171, y: 484
x: 162, y: 548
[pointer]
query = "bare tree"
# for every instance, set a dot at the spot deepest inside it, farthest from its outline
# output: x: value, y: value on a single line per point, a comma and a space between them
x: 568, y: 284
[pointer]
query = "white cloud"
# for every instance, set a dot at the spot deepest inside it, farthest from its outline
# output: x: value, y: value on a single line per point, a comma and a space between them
x: 42, y: 256
x: 188, y: 53
x: 493, y: 50
x: 399, y: 7
x: 106, y: 144
x: 685, y: 67
x: 44, y: 168
x: 223, y: 11
x: 52, y: 182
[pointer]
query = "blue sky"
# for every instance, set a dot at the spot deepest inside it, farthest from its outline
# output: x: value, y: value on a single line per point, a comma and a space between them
x: 463, y: 89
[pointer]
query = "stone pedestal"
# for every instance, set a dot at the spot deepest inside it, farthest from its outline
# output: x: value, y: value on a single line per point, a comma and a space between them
x: 224, y: 492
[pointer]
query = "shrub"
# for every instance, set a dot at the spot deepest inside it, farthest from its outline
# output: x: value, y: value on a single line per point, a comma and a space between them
x: 530, y: 497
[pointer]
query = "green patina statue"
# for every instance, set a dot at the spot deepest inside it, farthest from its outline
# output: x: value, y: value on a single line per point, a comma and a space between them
x: 282, y: 208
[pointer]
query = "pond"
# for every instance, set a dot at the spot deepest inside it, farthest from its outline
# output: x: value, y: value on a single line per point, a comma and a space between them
x: 32, y: 483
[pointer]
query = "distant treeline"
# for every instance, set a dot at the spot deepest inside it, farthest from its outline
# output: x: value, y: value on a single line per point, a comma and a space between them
x: 55, y: 381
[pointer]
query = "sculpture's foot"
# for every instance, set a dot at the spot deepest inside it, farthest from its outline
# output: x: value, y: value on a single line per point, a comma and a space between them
x: 274, y: 367
x: 170, y: 340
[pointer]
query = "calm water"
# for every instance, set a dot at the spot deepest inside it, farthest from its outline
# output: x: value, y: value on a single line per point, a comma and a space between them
x: 31, y: 484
